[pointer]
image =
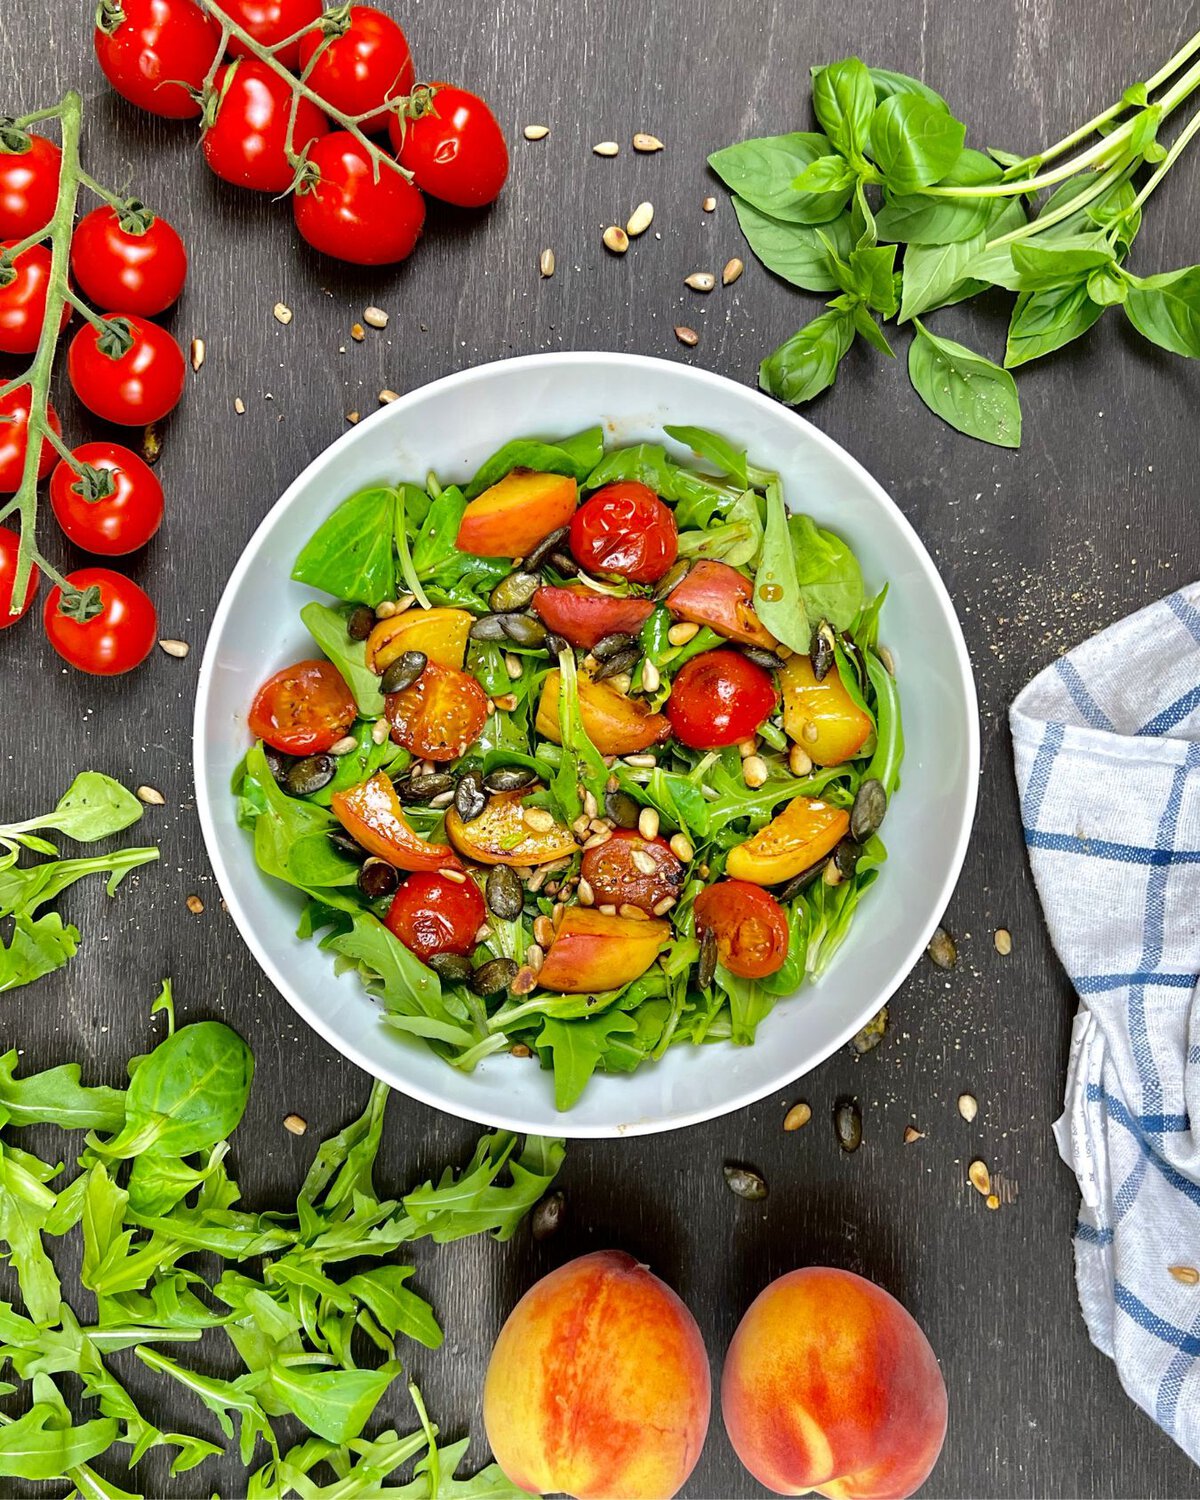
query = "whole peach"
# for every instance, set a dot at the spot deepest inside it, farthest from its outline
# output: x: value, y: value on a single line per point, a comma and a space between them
x: 598, y: 1385
x: 830, y: 1385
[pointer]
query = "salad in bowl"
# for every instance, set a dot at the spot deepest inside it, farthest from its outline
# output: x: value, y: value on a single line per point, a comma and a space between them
x: 590, y: 756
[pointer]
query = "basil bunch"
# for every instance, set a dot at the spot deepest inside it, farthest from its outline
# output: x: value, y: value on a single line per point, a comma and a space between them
x: 887, y: 207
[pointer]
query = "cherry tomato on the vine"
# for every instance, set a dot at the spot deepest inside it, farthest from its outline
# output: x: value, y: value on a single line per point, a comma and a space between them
x: 456, y: 150
x: 246, y: 143
x: 23, y: 300
x: 28, y: 185
x: 9, y: 543
x: 431, y: 914
x: 156, y: 52
x: 750, y: 926
x: 131, y: 374
x: 14, y: 439
x: 363, y: 68
x: 625, y: 529
x: 719, y: 698
x: 271, y: 22
x: 347, y: 213
x: 303, y: 709
x: 109, y: 626
x: 132, y: 260
x: 114, y: 506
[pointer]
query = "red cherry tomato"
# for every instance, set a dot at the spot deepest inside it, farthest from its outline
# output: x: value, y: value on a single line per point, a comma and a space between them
x: 132, y: 388
x: 303, y: 709
x: 719, y: 698
x: 750, y: 926
x: 246, y: 143
x: 154, y: 52
x: 9, y: 543
x: 117, y: 637
x: 14, y: 434
x: 271, y: 22
x: 23, y: 300
x: 348, y: 214
x: 456, y: 151
x: 133, y: 261
x: 440, y: 715
x: 28, y: 187
x: 615, y: 878
x: 363, y: 68
x: 430, y: 914
x: 625, y: 529
x: 114, y: 506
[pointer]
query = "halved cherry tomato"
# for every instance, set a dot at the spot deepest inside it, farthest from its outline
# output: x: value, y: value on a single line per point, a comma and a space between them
x: 133, y: 260
x: 9, y: 543
x: 23, y: 300
x: 353, y: 210
x: 363, y: 68
x: 583, y: 617
x: 271, y: 22
x: 440, y: 715
x: 719, y: 698
x: 432, y: 914
x: 455, y: 150
x: 28, y: 187
x: 793, y: 841
x: 821, y: 716
x: 131, y: 374
x: 246, y: 144
x: 371, y: 813
x: 750, y: 926
x: 716, y: 595
x: 14, y: 435
x: 117, y: 637
x: 625, y: 529
x: 303, y: 709
x: 156, y: 53
x: 615, y: 723
x: 616, y: 880
x: 114, y: 506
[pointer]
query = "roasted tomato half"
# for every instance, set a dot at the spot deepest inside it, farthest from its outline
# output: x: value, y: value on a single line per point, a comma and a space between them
x: 629, y: 870
x: 719, y: 698
x: 440, y: 716
x: 750, y: 927
x: 625, y: 529
x: 303, y: 709
x: 431, y: 913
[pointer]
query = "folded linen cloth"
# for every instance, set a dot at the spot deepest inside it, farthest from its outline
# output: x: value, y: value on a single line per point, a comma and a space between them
x: 1107, y: 747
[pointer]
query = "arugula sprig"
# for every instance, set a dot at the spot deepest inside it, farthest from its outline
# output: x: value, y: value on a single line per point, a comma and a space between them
x: 889, y: 208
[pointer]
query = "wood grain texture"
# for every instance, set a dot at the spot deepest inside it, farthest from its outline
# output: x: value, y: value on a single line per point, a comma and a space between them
x: 1093, y: 517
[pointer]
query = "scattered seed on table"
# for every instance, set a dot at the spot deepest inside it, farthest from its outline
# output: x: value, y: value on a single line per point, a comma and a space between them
x: 686, y: 335
x: 178, y: 649
x: 644, y: 142
x: 199, y: 350
x: 296, y: 1124
x: 709, y: 204
x: 911, y: 1134
x: 547, y: 1215
x: 357, y: 332
x: 980, y: 1177
x: 942, y: 949
x: 968, y: 1107
x: 375, y: 317
x: 536, y: 132
x: 606, y: 148
x: 798, y: 1116
x: 194, y: 905
x: 731, y: 270
x: 700, y: 281
x: 239, y: 406
x: 1187, y: 1274
x: 745, y: 1183
x: 151, y: 444
x: 1003, y: 941
x: 352, y: 417
x: 993, y: 1200
x: 282, y: 313
x: 640, y: 220
x: 546, y: 262
x: 151, y: 796
x: 872, y: 1033
x: 615, y: 239
x: 386, y: 397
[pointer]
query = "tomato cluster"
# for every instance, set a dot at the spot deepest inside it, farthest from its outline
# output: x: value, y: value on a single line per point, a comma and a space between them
x: 261, y: 131
x: 126, y: 369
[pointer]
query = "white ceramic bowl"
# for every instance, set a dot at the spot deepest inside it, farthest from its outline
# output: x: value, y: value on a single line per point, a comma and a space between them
x: 450, y: 427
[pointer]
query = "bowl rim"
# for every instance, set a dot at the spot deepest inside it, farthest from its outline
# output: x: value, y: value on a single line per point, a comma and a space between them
x: 327, y: 459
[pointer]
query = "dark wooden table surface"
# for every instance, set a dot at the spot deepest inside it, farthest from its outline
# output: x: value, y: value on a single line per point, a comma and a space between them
x: 1092, y: 518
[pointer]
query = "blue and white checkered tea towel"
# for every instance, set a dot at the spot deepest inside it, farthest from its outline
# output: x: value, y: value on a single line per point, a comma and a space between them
x: 1107, y: 745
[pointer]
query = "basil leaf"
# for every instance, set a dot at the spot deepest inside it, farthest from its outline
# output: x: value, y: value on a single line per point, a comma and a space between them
x: 434, y: 545
x: 935, y: 275
x: 1045, y: 321
x: 350, y: 554
x: 828, y: 575
x: 914, y: 143
x: 1042, y: 267
x: 973, y: 395
x: 873, y: 277
x: 941, y: 221
x: 889, y: 84
x: 828, y: 174
x: 1166, y: 310
x: 328, y: 628
x: 843, y: 97
x: 716, y: 449
x: 763, y: 172
x: 794, y: 251
x: 807, y: 363
x: 865, y: 324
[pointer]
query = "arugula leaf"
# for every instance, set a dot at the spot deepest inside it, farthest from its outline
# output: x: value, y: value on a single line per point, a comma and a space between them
x: 36, y: 947
x: 915, y: 143
x: 40, y: 1445
x: 25, y: 1203
x: 827, y: 572
x: 1166, y: 310
x: 765, y: 172
x: 335, y: 1404
x: 966, y: 390
x: 581, y: 761
x: 350, y: 553
x: 475, y: 1201
x: 328, y: 628
x: 575, y: 456
x: 395, y: 1307
x: 57, y: 1097
x: 843, y: 96
x: 797, y: 253
x: 807, y: 363
x: 577, y: 1049
x: 221, y: 1397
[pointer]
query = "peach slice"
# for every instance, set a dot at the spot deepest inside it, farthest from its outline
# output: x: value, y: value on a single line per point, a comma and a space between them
x: 510, y: 518
x: 500, y: 835
x: 821, y: 716
x: 794, y: 840
x: 615, y: 724
x: 593, y: 951
x: 372, y: 814
x: 440, y: 633
x: 716, y: 595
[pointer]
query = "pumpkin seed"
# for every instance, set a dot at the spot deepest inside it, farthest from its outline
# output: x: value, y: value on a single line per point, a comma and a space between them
x: 525, y: 630
x: 821, y: 650
x: 488, y: 628
x: 514, y: 592
x: 310, y: 774
x: 377, y: 878
x: 798, y: 883
x: 547, y: 1215
x: 424, y: 788
x: 622, y: 809
x: 846, y: 857
x: 495, y: 975
x: 404, y: 671
x: 767, y: 660
x: 564, y: 563
x: 470, y: 799
x: 870, y: 804
x: 277, y: 764
x: 509, y: 779
x: 504, y: 893
x: 847, y: 1124
x: 623, y: 661
x: 342, y: 841
x: 872, y: 1033
x: 675, y: 576
x: 942, y: 949
x: 745, y: 1183
x: 552, y: 539
x: 610, y: 645
x: 452, y: 967
x: 706, y: 968
x: 361, y: 622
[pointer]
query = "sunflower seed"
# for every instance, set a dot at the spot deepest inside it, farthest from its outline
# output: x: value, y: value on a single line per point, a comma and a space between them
x: 178, y: 649
x: 731, y: 270
x: 199, y: 351
x: 980, y: 1177
x: 537, y: 819
x: 942, y: 949
x: 239, y: 406
x: 512, y: 665
x: 639, y: 220
x: 911, y: 1134
x: 598, y: 839
x: 546, y: 262
x: 745, y: 1183
x: 357, y: 332
x: 700, y: 281
x: 686, y: 335
x: 644, y: 862
x: 644, y: 142
x: 380, y: 731
x: 798, y: 1116
x: 375, y: 317
x: 282, y: 313
x: 651, y: 677
x: 968, y: 1107
x: 386, y: 397
x: 606, y: 148
x: 847, y: 1124
x: 343, y: 746
x: 616, y: 240
x: 661, y: 908
x: 536, y: 132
